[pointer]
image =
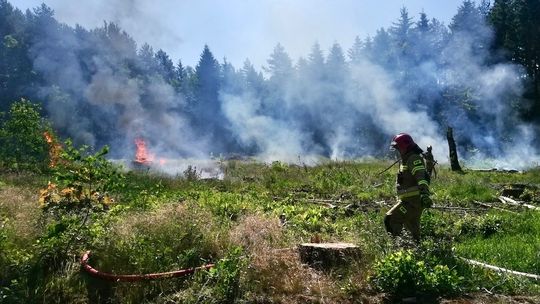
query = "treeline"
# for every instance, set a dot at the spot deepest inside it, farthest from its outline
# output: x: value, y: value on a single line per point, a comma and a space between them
x: 98, y: 87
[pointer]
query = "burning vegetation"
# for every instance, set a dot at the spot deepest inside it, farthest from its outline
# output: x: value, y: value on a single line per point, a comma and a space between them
x: 142, y: 156
x: 54, y: 148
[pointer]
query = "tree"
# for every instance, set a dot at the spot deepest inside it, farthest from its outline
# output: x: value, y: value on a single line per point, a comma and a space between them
x: 22, y: 145
x: 381, y: 50
x: 16, y: 75
x: 400, y: 33
x: 207, y: 108
x: 356, y: 52
x: 517, y: 30
x: 315, y: 64
x: 165, y: 66
x: 468, y: 19
x: 528, y: 50
x: 502, y: 18
x: 336, y: 66
x: 279, y: 66
x: 147, y: 59
x: 422, y: 48
x: 253, y: 80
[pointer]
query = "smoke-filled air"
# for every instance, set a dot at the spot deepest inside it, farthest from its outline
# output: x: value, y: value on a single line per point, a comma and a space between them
x: 417, y: 75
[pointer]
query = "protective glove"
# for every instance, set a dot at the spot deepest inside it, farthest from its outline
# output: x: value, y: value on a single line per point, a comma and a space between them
x: 426, y: 201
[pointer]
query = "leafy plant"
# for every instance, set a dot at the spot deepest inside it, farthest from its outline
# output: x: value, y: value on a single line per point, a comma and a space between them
x: 226, y: 277
x: 82, y: 180
x: 486, y: 225
x: 402, y: 274
x: 22, y: 144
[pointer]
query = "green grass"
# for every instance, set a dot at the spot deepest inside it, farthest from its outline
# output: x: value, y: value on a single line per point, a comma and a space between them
x: 161, y: 223
x: 516, y: 247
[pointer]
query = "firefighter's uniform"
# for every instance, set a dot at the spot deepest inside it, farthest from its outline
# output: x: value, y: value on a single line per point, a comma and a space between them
x: 412, y: 186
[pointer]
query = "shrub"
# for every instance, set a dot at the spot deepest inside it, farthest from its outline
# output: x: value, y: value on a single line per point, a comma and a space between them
x: 485, y: 225
x: 401, y: 274
x: 22, y: 144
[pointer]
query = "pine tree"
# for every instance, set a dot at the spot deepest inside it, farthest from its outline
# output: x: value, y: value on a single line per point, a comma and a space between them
x: 253, y: 80
x: 401, y: 34
x: 315, y: 64
x: 207, y: 108
x: 279, y: 65
x: 356, y: 52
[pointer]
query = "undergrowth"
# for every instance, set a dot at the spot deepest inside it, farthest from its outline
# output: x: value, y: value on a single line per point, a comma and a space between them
x: 249, y: 224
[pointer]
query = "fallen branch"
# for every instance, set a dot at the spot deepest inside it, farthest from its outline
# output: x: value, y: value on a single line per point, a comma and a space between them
x: 509, y: 201
x: 500, y: 269
x: 452, y: 208
x: 324, y: 202
x: 493, y: 207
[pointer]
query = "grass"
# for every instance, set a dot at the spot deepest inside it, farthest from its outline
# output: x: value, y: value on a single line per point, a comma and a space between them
x: 250, y: 223
x: 516, y: 247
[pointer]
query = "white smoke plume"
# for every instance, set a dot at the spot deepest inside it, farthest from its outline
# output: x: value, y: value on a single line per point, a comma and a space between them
x: 350, y: 113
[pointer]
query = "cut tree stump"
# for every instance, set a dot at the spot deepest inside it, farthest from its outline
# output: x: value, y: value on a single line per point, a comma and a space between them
x: 328, y: 255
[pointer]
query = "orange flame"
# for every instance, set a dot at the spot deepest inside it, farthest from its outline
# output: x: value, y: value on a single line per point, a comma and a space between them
x: 54, y: 149
x: 141, y: 154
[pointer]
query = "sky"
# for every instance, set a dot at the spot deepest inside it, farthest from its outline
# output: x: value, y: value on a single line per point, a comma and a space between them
x: 240, y: 29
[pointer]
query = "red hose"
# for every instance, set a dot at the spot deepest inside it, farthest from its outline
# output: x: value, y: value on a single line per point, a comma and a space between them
x: 136, y: 277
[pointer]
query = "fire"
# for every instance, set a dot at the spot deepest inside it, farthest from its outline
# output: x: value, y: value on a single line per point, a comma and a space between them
x: 54, y: 149
x: 141, y: 154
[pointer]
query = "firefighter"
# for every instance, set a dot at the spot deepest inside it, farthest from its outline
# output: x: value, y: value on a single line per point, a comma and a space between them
x: 430, y: 163
x: 412, y: 189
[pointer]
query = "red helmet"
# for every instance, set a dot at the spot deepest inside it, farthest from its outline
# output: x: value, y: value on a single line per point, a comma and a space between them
x: 402, y: 142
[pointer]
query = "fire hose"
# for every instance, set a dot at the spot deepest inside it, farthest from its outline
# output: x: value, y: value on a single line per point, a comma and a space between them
x: 136, y: 277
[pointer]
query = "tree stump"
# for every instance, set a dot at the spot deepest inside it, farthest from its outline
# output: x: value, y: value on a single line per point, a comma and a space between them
x: 328, y: 255
x: 454, y: 163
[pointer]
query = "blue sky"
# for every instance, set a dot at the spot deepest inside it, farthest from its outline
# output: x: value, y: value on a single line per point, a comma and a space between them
x: 240, y: 29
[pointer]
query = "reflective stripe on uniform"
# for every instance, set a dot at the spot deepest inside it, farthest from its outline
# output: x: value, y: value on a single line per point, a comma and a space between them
x: 410, y: 189
x: 409, y: 194
x: 423, y: 182
x: 415, y: 169
x: 403, y: 209
x: 403, y: 168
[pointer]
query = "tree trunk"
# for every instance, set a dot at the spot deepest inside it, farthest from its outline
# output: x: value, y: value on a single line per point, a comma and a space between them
x: 454, y: 163
x: 328, y: 255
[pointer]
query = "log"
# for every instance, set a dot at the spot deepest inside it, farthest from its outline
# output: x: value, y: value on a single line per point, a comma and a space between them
x: 324, y: 256
x: 454, y: 162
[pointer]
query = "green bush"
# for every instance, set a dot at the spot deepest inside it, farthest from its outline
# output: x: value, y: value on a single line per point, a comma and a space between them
x: 402, y: 274
x: 22, y: 144
x: 485, y: 225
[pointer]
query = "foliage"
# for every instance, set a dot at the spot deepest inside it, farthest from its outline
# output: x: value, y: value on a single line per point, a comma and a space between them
x: 403, y: 274
x: 22, y: 145
x: 482, y: 225
x: 82, y: 183
x: 160, y: 223
x: 226, y: 277
x: 401, y: 53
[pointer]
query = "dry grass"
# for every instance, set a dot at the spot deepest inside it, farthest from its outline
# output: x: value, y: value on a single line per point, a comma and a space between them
x: 19, y: 205
x: 276, y: 275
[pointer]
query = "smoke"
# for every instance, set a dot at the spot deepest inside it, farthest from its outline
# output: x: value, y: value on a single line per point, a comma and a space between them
x: 100, y: 91
x: 356, y: 111
x: 93, y: 96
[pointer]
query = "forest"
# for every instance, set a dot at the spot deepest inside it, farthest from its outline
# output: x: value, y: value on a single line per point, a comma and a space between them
x: 298, y: 158
x: 479, y: 75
